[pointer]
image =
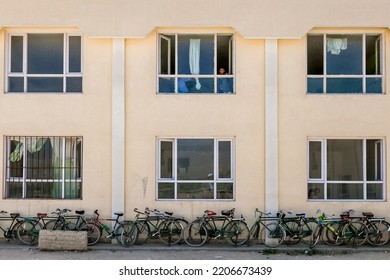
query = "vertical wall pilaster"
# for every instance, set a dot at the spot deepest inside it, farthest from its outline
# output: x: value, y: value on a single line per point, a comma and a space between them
x: 118, y: 125
x: 271, y: 126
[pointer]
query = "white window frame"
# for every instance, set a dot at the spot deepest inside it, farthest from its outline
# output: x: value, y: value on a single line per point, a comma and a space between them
x: 176, y: 76
x: 213, y: 181
x: 362, y: 76
x: 65, y: 73
x: 323, y: 179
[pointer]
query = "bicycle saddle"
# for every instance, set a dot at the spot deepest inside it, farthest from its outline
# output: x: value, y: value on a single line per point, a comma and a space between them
x: 119, y: 214
x: 80, y: 212
x: 368, y: 214
x: 169, y: 213
x: 14, y: 215
x: 41, y: 215
x: 226, y: 212
x: 210, y: 213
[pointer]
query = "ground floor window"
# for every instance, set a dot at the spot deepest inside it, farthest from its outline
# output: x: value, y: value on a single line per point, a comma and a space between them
x: 43, y: 167
x: 346, y: 169
x: 195, y: 169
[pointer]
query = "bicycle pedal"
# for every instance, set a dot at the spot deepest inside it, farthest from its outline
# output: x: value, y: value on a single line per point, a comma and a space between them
x: 110, y: 236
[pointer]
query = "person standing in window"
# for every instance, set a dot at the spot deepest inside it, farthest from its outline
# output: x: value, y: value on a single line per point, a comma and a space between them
x: 224, y: 84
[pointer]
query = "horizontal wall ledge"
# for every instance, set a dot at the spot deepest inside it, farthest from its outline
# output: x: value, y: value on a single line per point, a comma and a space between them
x: 250, y: 18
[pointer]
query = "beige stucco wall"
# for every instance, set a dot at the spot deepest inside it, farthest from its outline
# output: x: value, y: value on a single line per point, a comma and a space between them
x: 149, y: 116
x: 250, y: 18
x: 302, y: 116
x: 87, y: 115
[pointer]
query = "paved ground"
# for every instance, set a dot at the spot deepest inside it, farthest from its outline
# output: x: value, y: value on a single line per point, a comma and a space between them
x: 157, y: 251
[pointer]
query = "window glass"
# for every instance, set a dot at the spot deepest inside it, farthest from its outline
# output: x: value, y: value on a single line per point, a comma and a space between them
x: 166, y: 152
x: 195, y: 159
x: 315, y: 160
x: 16, y: 84
x: 224, y: 159
x: 344, y: 54
x: 373, y: 55
x: 17, y: 54
x: 345, y: 160
x: 74, y: 54
x: 196, y: 54
x: 344, y: 85
x: 45, y: 54
x: 45, y: 84
x: 345, y: 191
x: 315, y: 55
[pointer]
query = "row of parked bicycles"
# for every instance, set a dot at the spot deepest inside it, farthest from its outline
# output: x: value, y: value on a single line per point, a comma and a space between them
x: 271, y: 231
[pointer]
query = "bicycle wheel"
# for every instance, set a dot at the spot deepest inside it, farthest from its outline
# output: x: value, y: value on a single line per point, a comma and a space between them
x: 355, y: 233
x: 170, y: 231
x: 333, y: 234
x: 378, y: 233
x: 236, y: 232
x: 307, y: 231
x: 195, y: 234
x: 143, y: 232
x: 54, y: 225
x: 254, y: 234
x: 272, y: 234
x: 292, y: 229
x: 28, y: 232
x: 316, y: 236
x: 13, y: 233
x: 129, y: 234
x: 93, y: 233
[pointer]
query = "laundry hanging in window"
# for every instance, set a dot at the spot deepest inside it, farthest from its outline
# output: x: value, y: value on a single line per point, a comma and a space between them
x: 336, y: 45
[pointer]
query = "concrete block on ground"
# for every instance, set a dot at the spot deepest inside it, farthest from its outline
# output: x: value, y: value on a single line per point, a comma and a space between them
x: 62, y: 240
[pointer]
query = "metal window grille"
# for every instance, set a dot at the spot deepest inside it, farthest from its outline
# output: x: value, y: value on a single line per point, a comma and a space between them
x: 43, y: 167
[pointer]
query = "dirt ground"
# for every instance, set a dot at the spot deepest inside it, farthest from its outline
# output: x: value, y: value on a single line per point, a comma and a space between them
x: 186, y: 253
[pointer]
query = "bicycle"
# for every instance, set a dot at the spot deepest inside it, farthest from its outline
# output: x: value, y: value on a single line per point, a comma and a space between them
x: 66, y: 222
x: 96, y: 227
x: 10, y: 231
x: 298, y: 228
x: 160, y: 225
x: 378, y: 229
x: 336, y: 231
x: 202, y: 229
x: 261, y: 222
x: 28, y: 229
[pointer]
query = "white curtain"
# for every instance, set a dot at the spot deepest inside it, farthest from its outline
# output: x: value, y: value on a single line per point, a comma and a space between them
x: 336, y: 45
x: 194, y: 59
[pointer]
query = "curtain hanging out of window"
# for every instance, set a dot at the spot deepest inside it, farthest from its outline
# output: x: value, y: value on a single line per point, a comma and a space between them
x: 194, y: 58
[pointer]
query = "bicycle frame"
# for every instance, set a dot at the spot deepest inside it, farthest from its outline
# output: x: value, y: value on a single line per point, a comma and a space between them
x: 9, y: 232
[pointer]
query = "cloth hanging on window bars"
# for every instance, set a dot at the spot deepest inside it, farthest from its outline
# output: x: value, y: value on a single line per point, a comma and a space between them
x: 194, y: 59
x: 34, y: 145
x: 336, y: 45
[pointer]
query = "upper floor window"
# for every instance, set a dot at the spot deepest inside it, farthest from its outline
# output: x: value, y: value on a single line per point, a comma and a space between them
x: 195, y: 169
x: 346, y: 169
x: 195, y: 63
x: 44, y: 62
x: 43, y: 167
x: 345, y: 63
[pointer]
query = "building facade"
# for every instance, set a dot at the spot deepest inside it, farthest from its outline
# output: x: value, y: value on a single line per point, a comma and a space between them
x: 114, y: 106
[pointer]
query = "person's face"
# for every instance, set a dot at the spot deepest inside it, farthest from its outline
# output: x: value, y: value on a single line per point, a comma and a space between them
x: 221, y: 71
